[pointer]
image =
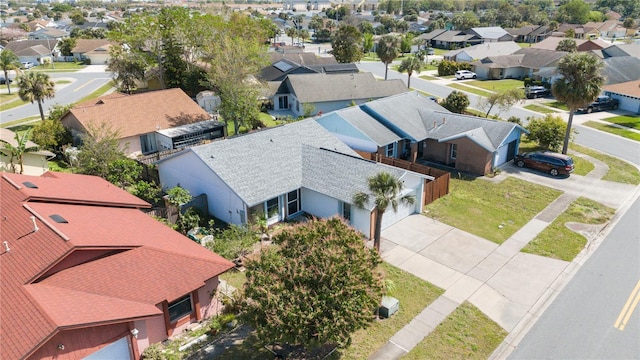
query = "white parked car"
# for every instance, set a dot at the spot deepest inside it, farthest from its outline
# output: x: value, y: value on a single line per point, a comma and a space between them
x: 27, y: 65
x: 465, y: 74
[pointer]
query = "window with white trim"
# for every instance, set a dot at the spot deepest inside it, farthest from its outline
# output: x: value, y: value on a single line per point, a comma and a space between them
x: 293, y: 202
x: 454, y: 151
x: 389, y: 150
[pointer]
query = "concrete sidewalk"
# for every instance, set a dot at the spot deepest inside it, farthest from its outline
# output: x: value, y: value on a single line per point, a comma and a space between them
x: 507, y: 285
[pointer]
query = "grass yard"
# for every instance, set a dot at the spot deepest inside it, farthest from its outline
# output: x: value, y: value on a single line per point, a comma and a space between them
x: 10, y: 101
x: 497, y: 85
x: 557, y: 105
x: 558, y: 241
x: 101, y: 91
x: 619, y: 170
x: 470, y: 89
x: 414, y: 294
x: 630, y: 121
x: 632, y: 135
x: 61, y: 67
x: 466, y: 334
x: 427, y: 77
x: 493, y: 211
x: 235, y: 278
x: 540, y: 109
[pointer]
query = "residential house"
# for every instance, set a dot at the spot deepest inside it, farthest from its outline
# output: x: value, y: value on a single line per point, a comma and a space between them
x: 34, y: 163
x: 529, y: 33
x: 48, y: 33
x: 480, y: 51
x: 416, y: 128
x: 551, y: 43
x: 526, y: 62
x: 309, y: 94
x: 35, y: 51
x: 490, y: 34
x: 606, y: 29
x: 87, y: 275
x: 96, y: 51
x: 621, y: 69
x: 454, y: 39
x: 280, y: 173
x: 141, y: 120
x: 427, y: 39
x: 632, y: 49
x: 628, y: 93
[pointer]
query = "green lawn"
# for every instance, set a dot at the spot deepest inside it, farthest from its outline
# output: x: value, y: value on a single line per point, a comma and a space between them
x: 557, y: 241
x: 540, y: 109
x: 101, y: 91
x: 466, y: 334
x: 235, y: 278
x: 619, y: 170
x: 10, y: 101
x: 614, y: 130
x: 470, y: 89
x: 557, y: 105
x: 60, y: 67
x: 497, y: 85
x: 428, y: 77
x: 630, y: 121
x: 494, y: 211
x: 414, y: 294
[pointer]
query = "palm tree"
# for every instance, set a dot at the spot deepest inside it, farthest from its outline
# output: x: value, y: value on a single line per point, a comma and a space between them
x: 410, y: 64
x: 384, y: 191
x: 388, y: 49
x: 291, y: 32
x: 579, y: 85
x: 36, y: 86
x: 19, y: 150
x: 9, y: 61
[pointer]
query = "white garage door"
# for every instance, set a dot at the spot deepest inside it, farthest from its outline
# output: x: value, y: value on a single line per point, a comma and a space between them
x: 390, y: 217
x: 118, y: 350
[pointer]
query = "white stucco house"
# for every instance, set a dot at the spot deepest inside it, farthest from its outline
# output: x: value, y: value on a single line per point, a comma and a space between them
x: 34, y: 163
x: 282, y: 173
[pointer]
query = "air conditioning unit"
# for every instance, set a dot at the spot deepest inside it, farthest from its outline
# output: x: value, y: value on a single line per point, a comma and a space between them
x: 388, y: 306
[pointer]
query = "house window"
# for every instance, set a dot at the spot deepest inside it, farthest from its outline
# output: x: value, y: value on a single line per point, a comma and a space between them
x: 293, y: 202
x: 389, y: 150
x: 147, y: 143
x: 346, y: 211
x: 272, y: 208
x: 297, y: 106
x: 180, y: 308
x: 454, y: 151
x: 283, y: 102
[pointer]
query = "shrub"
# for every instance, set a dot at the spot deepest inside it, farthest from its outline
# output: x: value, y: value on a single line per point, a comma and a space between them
x: 456, y: 102
x: 447, y: 67
x: 233, y: 242
x: 548, y: 132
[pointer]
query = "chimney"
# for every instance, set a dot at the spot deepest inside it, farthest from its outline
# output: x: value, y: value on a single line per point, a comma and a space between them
x: 6, y: 246
x: 35, y: 226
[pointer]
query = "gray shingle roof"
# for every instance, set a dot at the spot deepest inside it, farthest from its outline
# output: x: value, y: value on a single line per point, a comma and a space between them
x: 310, y: 88
x: 265, y: 164
x: 538, y: 58
x: 410, y: 113
x: 487, y: 133
x: 490, y: 32
x: 367, y: 125
x: 621, y: 69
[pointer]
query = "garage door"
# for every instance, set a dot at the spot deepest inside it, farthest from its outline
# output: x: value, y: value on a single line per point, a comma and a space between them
x: 390, y: 217
x: 118, y: 350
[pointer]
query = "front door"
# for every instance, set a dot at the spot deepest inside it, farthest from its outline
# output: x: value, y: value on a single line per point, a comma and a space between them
x: 273, y: 211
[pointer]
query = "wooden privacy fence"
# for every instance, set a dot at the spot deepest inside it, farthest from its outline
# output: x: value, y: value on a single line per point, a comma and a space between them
x: 433, y: 189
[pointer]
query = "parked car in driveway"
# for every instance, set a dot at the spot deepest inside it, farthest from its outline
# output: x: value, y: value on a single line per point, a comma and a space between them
x: 601, y: 103
x: 26, y: 65
x: 533, y: 92
x: 546, y: 161
x: 465, y: 74
x: 3, y: 81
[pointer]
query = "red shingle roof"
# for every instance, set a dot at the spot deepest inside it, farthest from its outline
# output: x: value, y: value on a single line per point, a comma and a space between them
x: 141, y: 113
x: 41, y: 289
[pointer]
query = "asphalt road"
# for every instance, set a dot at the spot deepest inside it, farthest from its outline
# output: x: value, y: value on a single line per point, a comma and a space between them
x: 80, y: 84
x: 585, y: 321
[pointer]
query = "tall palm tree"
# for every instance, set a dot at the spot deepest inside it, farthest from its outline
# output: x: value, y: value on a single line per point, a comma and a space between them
x: 291, y: 32
x: 388, y: 49
x: 36, y: 86
x: 384, y: 191
x: 9, y: 61
x: 17, y: 151
x: 579, y: 85
x: 410, y: 64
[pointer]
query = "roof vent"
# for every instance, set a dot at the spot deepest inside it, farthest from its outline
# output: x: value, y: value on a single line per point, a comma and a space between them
x: 59, y: 219
x: 35, y: 226
x: 30, y: 185
x: 6, y: 246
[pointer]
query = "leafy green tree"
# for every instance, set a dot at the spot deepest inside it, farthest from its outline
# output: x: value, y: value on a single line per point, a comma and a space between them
x: 126, y: 67
x: 77, y: 18
x: 347, y: 44
x: 410, y: 65
x: 177, y: 196
x: 318, y: 286
x: 629, y: 23
x: 548, y: 132
x: 456, y: 102
x: 388, y: 49
x: 291, y: 32
x: 36, y: 87
x: 568, y: 45
x: 147, y: 191
x: 573, y: 12
x: 66, y: 46
x: 405, y: 43
x: 124, y: 172
x: 51, y: 134
x: 9, y: 61
x: 384, y: 190
x: 100, y: 147
x: 17, y: 152
x: 504, y: 100
x: 368, y: 43
x: 239, y: 104
x: 580, y: 84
